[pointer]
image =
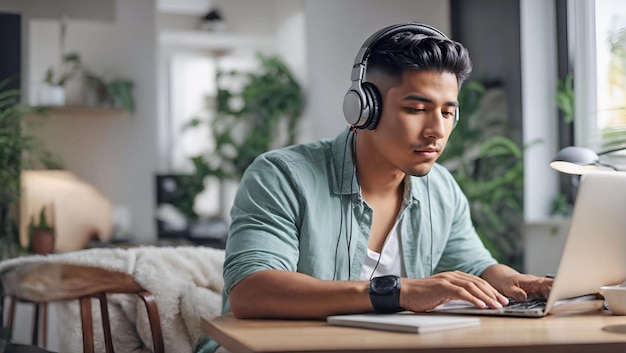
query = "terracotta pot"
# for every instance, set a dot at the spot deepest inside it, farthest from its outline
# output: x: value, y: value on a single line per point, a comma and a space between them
x: 42, y: 242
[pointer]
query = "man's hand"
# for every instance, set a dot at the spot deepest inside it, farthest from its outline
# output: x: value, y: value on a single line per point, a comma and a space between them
x: 520, y: 287
x: 426, y: 293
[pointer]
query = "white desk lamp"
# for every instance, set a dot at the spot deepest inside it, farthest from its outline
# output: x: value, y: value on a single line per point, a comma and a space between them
x: 581, y: 160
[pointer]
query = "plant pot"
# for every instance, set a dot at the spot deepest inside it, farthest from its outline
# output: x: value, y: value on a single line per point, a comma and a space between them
x: 51, y: 95
x: 42, y: 242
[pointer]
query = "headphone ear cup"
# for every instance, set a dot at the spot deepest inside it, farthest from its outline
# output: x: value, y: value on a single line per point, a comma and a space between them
x: 352, y: 107
x: 376, y: 105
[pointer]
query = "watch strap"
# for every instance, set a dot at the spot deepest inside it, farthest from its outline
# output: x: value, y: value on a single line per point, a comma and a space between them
x: 385, y: 300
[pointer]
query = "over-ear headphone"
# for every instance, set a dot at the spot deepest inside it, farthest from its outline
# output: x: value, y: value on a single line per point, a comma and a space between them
x: 362, y: 104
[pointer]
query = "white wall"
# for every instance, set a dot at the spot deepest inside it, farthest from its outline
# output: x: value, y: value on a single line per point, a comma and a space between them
x: 116, y: 154
x: 290, y: 37
x: 335, y: 31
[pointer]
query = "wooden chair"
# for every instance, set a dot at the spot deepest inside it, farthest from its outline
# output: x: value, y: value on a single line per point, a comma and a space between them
x: 39, y: 326
x: 44, y: 282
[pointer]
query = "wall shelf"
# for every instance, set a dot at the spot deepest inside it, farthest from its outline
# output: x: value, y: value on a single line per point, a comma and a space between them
x: 87, y: 111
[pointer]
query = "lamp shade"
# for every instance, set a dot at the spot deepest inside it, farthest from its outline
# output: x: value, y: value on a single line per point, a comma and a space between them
x: 575, y: 160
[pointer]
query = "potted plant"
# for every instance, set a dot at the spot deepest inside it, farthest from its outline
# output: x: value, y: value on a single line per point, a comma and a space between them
x: 41, y: 234
x: 86, y: 87
x: 115, y: 93
x: 121, y: 94
x: 262, y: 114
x: 53, y: 92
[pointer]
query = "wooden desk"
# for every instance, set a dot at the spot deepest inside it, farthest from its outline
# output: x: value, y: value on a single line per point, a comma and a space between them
x: 598, y: 332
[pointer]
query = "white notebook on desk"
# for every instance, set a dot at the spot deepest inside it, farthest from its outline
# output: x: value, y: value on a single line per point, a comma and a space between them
x: 403, y: 322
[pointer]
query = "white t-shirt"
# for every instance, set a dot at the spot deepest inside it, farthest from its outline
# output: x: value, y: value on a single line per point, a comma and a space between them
x: 389, y: 262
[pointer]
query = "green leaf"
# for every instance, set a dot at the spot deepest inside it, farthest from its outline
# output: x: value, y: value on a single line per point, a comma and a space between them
x: 500, y: 146
x: 565, y: 98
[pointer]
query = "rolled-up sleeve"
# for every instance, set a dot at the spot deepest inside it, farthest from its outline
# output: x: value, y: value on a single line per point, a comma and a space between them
x: 264, y: 228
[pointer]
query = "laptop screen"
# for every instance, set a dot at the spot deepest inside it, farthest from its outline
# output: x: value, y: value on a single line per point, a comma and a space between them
x: 595, y: 250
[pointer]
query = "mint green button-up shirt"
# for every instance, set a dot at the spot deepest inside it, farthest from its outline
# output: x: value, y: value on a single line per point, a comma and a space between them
x: 300, y: 209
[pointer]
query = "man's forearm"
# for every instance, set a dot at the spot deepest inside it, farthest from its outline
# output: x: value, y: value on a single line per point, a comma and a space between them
x: 284, y: 294
x: 494, y: 274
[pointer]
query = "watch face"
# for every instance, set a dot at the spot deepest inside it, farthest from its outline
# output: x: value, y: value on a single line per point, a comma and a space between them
x: 384, y: 284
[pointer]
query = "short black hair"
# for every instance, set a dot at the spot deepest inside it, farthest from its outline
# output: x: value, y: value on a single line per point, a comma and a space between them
x: 412, y: 51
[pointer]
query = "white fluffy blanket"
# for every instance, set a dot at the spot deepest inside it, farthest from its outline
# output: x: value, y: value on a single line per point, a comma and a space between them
x: 186, y: 282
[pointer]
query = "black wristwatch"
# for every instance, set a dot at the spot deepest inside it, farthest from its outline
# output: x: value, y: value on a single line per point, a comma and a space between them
x: 385, y: 294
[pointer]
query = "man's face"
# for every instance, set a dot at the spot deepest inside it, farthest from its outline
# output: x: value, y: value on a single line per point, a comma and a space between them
x: 416, y: 121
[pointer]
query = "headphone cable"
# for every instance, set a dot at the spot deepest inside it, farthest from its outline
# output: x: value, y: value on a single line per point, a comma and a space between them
x: 343, y: 164
x: 430, y: 218
x: 349, y: 238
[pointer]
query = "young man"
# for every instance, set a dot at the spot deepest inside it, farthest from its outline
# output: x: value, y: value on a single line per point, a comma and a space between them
x: 368, y: 222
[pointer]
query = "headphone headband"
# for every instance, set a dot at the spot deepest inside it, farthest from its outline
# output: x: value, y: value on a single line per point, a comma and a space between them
x: 391, y: 31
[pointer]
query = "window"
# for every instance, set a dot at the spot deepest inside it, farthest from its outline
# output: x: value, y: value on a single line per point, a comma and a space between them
x: 598, y: 38
x: 192, y: 88
x: 611, y: 68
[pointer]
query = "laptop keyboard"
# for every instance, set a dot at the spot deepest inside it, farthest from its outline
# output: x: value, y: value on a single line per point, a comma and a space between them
x: 529, y: 304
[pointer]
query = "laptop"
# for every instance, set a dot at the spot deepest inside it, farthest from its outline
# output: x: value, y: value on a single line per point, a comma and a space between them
x: 594, y: 254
